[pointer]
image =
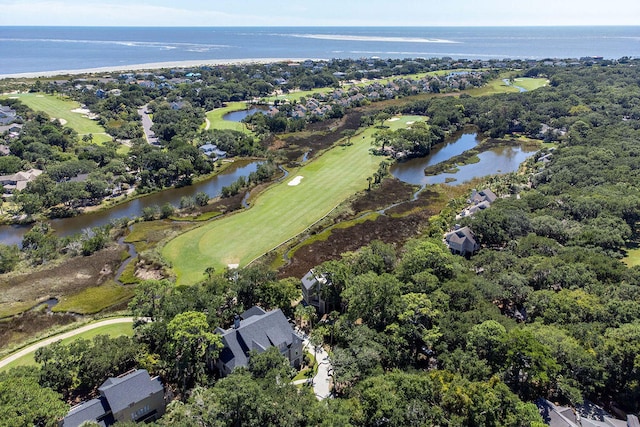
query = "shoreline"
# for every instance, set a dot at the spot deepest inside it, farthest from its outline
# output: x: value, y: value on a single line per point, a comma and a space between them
x: 149, y: 66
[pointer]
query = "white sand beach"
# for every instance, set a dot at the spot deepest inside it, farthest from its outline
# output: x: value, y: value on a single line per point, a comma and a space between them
x: 150, y: 66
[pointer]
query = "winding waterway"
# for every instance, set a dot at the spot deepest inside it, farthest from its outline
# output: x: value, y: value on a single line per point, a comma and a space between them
x: 12, y: 234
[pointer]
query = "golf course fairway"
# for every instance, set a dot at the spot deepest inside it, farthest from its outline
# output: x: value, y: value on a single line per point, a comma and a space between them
x: 280, y: 213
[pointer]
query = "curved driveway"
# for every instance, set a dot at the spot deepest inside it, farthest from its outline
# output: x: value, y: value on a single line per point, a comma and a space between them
x: 322, y: 381
x: 55, y: 338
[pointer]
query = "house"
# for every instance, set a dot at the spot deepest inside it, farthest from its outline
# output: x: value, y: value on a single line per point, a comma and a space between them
x: 133, y: 396
x: 13, y: 130
x: 18, y: 181
x: 482, y: 195
x: 213, y: 152
x: 257, y: 330
x: 461, y: 241
x: 7, y: 115
x: 586, y: 415
x: 471, y: 210
x: 312, y: 285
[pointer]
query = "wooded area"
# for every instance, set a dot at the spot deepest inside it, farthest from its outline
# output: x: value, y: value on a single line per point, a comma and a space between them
x: 416, y: 335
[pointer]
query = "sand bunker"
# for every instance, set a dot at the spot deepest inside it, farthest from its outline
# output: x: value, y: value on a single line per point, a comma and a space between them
x: 410, y: 123
x: 394, y: 119
x: 295, y: 181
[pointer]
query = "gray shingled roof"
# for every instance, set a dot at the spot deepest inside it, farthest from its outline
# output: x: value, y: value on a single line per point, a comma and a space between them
x: 253, y: 311
x: 90, y: 410
x: 309, y: 280
x: 256, y: 332
x: 122, y: 392
x: 460, y: 235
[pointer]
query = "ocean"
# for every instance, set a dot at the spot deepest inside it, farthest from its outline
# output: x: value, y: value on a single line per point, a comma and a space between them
x: 45, y: 49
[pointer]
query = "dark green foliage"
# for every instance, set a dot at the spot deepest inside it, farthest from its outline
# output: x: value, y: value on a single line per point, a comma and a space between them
x: 9, y: 257
x: 23, y: 402
x: 81, y: 366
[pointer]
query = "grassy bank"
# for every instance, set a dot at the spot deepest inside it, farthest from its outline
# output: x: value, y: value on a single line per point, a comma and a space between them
x: 94, y: 299
x: 217, y: 121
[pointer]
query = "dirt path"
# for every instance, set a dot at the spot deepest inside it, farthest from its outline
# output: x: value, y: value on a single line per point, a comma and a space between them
x: 55, y: 338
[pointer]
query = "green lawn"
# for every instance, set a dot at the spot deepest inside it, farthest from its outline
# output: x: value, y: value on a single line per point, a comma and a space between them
x: 296, y: 95
x: 114, y: 330
x: 633, y: 257
x: 61, y: 108
x: 491, y: 88
x: 279, y: 214
x: 217, y: 122
x: 530, y: 83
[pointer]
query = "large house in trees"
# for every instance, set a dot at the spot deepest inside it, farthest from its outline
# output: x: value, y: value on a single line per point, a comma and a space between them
x: 133, y: 396
x: 258, y: 330
x: 312, y: 286
x: 461, y: 241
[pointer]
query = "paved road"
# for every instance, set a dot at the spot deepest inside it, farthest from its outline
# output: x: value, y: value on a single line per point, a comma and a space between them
x: 146, y: 125
x: 55, y: 338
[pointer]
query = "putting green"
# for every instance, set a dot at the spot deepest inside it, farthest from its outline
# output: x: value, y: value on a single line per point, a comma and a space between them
x: 280, y: 213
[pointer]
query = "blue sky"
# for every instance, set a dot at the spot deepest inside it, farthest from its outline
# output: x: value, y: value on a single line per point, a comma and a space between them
x: 318, y: 13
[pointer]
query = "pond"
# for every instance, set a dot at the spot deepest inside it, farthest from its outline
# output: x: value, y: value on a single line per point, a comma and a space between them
x: 494, y: 161
x: 12, y: 234
x: 412, y: 171
x: 237, y: 116
x: 498, y: 160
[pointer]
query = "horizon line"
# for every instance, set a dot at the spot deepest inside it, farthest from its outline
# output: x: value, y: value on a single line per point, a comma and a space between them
x: 323, y: 26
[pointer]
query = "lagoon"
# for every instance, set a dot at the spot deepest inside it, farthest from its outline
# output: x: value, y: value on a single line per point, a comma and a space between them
x: 12, y: 234
x: 497, y: 160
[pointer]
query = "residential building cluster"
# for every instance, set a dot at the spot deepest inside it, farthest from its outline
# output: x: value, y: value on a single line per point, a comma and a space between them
x: 461, y: 240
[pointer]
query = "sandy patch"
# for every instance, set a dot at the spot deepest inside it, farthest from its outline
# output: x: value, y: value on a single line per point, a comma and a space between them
x: 62, y: 121
x: 295, y: 181
x: 85, y: 113
x: 394, y: 119
x: 411, y: 122
x: 39, y: 96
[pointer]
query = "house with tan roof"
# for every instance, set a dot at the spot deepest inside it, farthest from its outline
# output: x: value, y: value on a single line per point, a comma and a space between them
x: 18, y: 181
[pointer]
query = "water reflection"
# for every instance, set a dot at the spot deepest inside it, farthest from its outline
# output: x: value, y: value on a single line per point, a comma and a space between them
x: 412, y: 171
x: 12, y: 234
x: 496, y: 160
x: 237, y: 116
